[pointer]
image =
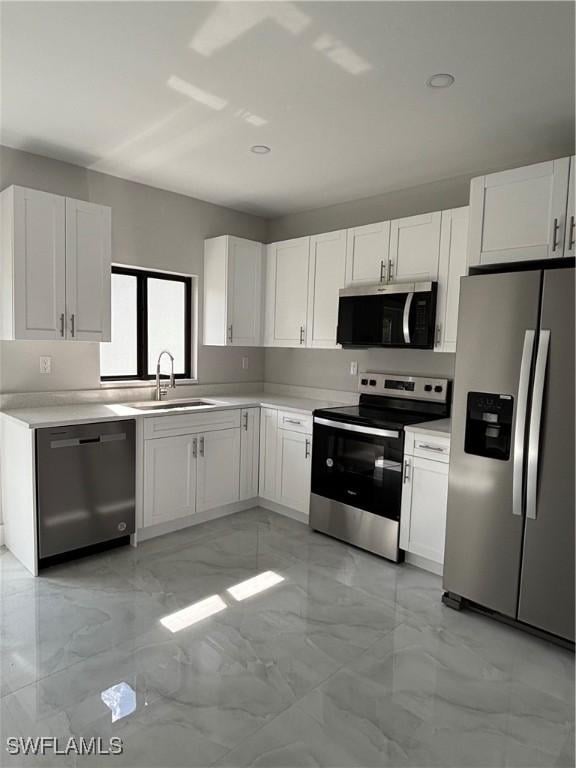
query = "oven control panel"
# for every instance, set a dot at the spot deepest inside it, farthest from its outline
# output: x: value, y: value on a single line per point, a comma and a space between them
x: 400, y: 385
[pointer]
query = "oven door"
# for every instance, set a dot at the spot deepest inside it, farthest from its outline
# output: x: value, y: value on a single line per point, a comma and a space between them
x: 359, y: 466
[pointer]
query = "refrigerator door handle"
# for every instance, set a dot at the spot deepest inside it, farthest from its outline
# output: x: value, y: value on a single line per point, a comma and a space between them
x: 535, y: 420
x: 520, y: 427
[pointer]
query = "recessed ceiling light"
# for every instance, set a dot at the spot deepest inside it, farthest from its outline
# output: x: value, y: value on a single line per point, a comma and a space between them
x: 441, y: 80
x: 260, y: 149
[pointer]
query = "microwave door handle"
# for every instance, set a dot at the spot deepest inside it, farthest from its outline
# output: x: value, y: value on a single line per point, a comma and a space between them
x: 406, y: 318
x: 535, y: 422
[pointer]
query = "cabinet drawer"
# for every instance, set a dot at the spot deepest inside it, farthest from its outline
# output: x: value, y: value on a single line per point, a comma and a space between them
x: 433, y: 447
x: 295, y: 422
x: 187, y: 423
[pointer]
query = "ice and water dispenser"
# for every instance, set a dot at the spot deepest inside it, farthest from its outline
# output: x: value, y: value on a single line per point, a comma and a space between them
x: 489, y: 425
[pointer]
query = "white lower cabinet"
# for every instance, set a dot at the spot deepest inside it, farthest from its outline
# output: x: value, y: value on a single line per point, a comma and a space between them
x: 169, y: 478
x: 190, y: 473
x: 218, y: 469
x: 285, y: 459
x: 249, y: 453
x: 424, y: 497
x: 293, y: 469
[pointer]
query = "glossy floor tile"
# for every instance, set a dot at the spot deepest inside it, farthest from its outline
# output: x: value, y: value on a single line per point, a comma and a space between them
x: 252, y: 641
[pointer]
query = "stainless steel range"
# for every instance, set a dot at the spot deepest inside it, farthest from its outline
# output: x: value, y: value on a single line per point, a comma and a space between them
x: 358, y: 459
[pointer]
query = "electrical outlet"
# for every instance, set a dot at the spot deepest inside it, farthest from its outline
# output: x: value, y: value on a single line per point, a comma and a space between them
x: 245, y: 363
x: 354, y: 368
x: 45, y: 364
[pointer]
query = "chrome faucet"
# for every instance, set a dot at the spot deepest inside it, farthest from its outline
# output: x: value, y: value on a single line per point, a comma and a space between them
x: 162, y: 391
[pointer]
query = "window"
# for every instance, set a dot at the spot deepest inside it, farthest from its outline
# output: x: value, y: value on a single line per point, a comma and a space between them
x: 151, y: 311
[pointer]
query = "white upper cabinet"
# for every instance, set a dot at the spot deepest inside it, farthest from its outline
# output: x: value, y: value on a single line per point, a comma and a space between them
x: 287, y: 265
x: 88, y: 270
x: 519, y: 214
x: 453, y: 266
x: 570, y: 235
x: 367, y: 253
x: 233, y: 270
x: 56, y: 266
x: 327, y: 276
x: 33, y: 260
x: 415, y: 248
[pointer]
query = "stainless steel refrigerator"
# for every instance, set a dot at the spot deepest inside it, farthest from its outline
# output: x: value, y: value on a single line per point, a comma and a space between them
x: 510, y: 523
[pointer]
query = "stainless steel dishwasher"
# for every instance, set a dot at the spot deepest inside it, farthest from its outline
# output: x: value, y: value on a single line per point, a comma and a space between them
x: 85, y: 485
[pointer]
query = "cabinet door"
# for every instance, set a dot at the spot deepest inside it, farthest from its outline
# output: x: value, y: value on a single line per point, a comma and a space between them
x: 453, y: 266
x: 570, y: 237
x: 268, y: 453
x: 415, y: 247
x: 293, y: 470
x: 169, y: 478
x: 367, y: 250
x: 249, y: 452
x: 519, y: 215
x: 88, y: 270
x: 39, y: 263
x: 287, y: 292
x: 245, y: 261
x: 218, y: 468
x: 326, y: 276
x: 424, y: 500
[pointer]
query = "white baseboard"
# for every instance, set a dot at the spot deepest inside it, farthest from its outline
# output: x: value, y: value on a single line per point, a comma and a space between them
x: 424, y: 563
x: 150, y: 532
x: 273, y: 506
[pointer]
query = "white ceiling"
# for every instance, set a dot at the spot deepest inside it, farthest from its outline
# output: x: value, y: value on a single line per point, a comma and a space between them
x: 174, y: 94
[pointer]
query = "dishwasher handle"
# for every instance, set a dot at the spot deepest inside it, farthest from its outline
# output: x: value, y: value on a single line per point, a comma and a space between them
x: 73, y: 442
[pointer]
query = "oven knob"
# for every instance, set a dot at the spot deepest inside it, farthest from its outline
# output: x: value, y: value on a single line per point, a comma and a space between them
x: 427, y: 387
x: 372, y: 382
x: 437, y: 388
x: 364, y: 382
x: 329, y: 462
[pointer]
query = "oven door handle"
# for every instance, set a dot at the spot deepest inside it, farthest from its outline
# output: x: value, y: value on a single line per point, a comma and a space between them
x: 357, y: 428
x: 406, y: 318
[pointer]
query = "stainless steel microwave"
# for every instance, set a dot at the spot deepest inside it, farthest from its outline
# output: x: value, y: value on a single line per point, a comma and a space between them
x: 388, y: 315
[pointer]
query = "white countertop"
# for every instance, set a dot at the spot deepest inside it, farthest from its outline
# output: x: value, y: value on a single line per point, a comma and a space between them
x: 80, y: 413
x: 439, y: 427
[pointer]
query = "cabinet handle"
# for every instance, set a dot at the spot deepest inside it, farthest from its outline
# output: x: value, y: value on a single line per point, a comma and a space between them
x: 572, y: 240
x: 292, y: 421
x: 302, y: 330
x: 428, y: 447
x: 307, y: 449
x: 555, y: 235
x: 230, y: 329
x: 390, y: 269
x: 438, y: 335
x: 406, y: 471
x: 195, y: 447
x: 382, y: 271
x: 73, y: 324
x: 246, y: 422
x: 202, y: 446
x: 62, y: 325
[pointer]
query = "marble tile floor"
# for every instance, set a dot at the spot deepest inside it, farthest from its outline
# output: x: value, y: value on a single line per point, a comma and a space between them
x: 347, y: 661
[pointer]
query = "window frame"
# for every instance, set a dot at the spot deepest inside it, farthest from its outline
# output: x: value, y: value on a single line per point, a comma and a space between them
x: 142, y: 276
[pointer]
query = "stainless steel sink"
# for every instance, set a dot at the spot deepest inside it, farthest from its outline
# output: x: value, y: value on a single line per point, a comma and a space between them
x: 169, y: 405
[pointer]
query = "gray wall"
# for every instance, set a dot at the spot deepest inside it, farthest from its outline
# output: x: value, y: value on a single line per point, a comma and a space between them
x: 150, y: 228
